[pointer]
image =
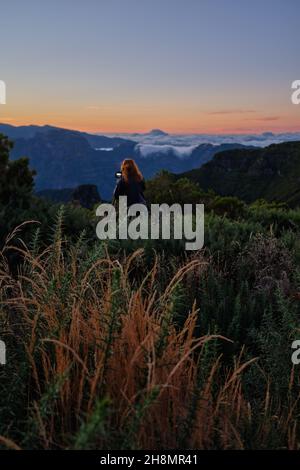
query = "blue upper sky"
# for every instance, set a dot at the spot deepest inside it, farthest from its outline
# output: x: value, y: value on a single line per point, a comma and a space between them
x: 131, y: 65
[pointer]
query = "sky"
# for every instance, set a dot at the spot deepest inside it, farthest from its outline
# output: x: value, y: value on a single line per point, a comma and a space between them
x: 184, y: 66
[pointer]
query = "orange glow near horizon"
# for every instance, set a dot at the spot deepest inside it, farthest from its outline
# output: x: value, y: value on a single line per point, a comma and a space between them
x: 126, y: 67
x: 140, y: 117
x: 227, y: 126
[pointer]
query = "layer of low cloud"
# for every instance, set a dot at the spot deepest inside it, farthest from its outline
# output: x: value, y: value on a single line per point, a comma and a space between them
x: 183, y: 144
x: 180, y: 151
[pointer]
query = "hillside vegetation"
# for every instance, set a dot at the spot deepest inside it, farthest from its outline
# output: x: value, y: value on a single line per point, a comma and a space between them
x: 271, y: 173
x: 140, y: 344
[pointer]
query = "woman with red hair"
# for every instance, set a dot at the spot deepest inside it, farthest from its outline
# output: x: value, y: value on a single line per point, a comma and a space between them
x: 131, y: 183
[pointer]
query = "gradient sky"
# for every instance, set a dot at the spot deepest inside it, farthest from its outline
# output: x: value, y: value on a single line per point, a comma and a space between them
x: 188, y: 66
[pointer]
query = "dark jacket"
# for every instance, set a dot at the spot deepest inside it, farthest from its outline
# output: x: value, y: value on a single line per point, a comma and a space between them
x: 134, y: 190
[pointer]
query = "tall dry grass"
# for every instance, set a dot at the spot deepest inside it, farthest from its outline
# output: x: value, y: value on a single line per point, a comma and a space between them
x: 107, y: 365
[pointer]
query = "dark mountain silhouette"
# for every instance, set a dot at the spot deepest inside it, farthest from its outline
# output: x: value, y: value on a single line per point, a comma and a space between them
x: 29, y: 132
x: 63, y: 195
x: 158, y: 132
x: 85, y: 195
x: 170, y: 161
x: 271, y: 173
x: 66, y: 159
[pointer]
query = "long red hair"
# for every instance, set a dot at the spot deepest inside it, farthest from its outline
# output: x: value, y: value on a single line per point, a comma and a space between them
x: 130, y: 171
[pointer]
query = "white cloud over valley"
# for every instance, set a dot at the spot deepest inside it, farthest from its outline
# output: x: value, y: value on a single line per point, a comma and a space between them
x: 182, y: 145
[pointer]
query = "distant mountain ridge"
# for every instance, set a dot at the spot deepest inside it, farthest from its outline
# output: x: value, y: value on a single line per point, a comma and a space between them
x: 30, y: 131
x: 66, y: 159
x: 271, y: 173
x: 158, y: 132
